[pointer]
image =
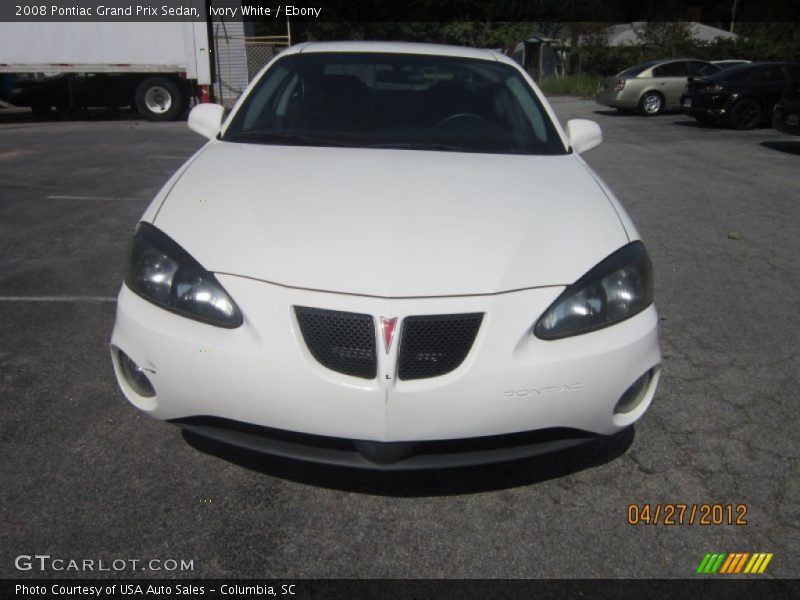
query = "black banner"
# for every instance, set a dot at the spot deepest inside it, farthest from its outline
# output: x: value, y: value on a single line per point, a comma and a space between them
x: 492, y: 11
x: 398, y: 589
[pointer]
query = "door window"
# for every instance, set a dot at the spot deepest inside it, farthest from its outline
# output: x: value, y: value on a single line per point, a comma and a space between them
x: 674, y: 69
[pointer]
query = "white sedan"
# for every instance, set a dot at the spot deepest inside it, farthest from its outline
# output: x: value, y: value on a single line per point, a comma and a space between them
x: 389, y: 256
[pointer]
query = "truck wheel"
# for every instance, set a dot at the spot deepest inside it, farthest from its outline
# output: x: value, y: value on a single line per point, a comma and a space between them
x: 159, y: 99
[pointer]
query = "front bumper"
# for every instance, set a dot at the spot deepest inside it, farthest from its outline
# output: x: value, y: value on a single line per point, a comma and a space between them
x: 263, y: 375
x: 385, y: 456
x: 786, y: 119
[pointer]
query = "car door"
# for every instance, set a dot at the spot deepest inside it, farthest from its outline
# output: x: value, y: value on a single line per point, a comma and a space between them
x: 769, y: 82
x: 670, y: 81
x: 793, y: 71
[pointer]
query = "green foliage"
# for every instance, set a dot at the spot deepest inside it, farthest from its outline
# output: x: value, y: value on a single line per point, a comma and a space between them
x: 485, y: 35
x: 460, y: 33
x: 583, y: 85
x: 757, y: 42
x: 661, y: 40
x: 673, y: 38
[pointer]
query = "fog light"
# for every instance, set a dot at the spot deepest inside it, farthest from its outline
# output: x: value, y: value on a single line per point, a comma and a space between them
x: 634, y: 394
x: 135, y: 376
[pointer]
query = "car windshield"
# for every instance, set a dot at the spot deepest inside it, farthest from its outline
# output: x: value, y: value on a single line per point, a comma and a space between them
x: 634, y: 71
x: 403, y: 101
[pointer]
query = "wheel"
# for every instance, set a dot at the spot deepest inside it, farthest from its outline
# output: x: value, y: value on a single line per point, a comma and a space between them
x: 651, y: 103
x: 159, y: 99
x: 745, y: 114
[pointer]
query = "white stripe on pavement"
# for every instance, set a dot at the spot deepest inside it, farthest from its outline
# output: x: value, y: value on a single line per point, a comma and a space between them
x: 88, y: 198
x: 58, y: 299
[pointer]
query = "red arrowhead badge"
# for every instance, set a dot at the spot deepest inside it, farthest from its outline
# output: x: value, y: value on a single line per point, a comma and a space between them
x: 387, y: 328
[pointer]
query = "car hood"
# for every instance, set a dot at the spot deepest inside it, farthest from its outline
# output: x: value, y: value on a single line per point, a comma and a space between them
x: 393, y: 223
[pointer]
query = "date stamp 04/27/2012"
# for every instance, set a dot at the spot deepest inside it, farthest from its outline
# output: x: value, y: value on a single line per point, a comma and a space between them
x: 671, y: 514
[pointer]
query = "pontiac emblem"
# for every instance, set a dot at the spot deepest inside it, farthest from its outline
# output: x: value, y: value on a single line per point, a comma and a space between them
x: 388, y: 328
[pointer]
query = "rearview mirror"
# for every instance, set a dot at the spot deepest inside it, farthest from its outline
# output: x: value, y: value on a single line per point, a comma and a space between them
x: 206, y: 119
x: 583, y: 135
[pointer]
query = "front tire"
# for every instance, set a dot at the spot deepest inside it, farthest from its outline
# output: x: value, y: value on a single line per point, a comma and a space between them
x: 159, y: 99
x: 745, y: 114
x: 651, y: 104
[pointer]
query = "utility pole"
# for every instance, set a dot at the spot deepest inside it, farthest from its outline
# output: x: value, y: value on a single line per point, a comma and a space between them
x: 733, y: 13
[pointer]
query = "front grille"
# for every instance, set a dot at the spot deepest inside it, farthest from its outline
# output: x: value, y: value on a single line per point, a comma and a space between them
x: 341, y: 341
x: 432, y: 345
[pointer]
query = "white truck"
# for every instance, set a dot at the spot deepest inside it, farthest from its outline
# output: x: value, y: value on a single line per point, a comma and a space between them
x: 156, y: 67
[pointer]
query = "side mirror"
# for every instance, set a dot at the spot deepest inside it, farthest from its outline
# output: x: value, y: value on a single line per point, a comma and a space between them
x: 583, y: 135
x: 206, y: 119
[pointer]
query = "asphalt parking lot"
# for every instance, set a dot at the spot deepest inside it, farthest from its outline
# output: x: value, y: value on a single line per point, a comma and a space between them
x: 85, y: 476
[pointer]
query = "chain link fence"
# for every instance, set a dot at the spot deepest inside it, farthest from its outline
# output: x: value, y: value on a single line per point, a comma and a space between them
x: 238, y: 59
x: 259, y: 53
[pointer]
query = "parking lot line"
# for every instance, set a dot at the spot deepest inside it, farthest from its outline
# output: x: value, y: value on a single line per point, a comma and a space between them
x: 88, y: 198
x: 58, y: 299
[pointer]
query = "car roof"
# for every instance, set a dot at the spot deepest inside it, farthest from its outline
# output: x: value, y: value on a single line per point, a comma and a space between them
x: 651, y: 64
x: 398, y: 48
x: 739, y: 69
x: 771, y: 63
x: 670, y: 60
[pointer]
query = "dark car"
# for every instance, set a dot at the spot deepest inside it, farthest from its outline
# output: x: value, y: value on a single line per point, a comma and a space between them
x: 786, y: 117
x: 742, y: 97
x: 162, y: 100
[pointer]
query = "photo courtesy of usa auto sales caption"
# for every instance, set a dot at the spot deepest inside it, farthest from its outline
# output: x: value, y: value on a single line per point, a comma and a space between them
x: 389, y: 256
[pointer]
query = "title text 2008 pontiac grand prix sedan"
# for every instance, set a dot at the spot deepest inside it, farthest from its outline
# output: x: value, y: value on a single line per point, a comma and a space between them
x: 389, y: 256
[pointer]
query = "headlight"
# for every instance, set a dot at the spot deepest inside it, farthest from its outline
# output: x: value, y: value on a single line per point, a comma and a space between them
x: 162, y: 272
x: 616, y: 289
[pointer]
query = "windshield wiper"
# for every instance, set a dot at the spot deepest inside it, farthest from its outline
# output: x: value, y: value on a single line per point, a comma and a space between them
x: 424, y: 146
x: 282, y: 137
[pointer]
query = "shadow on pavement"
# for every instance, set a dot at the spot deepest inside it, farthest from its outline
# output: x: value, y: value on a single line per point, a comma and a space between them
x: 787, y: 146
x: 24, y: 115
x: 616, y: 113
x: 695, y: 124
x: 444, y: 482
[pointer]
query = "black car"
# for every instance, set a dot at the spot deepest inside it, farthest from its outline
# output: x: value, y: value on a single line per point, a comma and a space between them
x: 786, y: 117
x: 742, y: 97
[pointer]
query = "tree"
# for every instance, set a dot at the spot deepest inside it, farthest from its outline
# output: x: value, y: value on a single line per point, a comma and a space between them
x: 672, y: 38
